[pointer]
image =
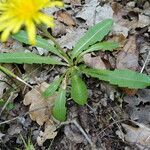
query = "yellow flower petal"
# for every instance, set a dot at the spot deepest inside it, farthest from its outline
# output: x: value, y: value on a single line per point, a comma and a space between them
x: 5, y: 34
x: 30, y: 27
x: 49, y: 21
x: 18, y: 26
x: 17, y: 13
x: 57, y: 3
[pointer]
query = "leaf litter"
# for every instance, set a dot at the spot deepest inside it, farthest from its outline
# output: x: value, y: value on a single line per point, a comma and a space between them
x: 40, y: 111
x: 108, y: 107
x: 138, y: 134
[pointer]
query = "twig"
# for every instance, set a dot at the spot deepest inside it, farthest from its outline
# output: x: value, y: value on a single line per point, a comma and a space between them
x: 7, y: 102
x: 7, y: 121
x: 92, y: 110
x: 111, y: 125
x: 84, y: 133
x: 145, y: 62
x: 7, y: 83
x: 10, y: 120
x: 11, y: 74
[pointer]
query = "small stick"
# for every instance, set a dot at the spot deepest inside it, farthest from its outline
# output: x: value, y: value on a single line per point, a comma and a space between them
x: 92, y: 110
x: 10, y: 120
x: 5, y: 105
x: 84, y: 133
x: 119, y: 121
x: 145, y: 62
x: 7, y: 121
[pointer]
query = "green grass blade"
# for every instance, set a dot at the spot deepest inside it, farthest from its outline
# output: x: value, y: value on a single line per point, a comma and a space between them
x: 93, y: 35
x: 28, y: 58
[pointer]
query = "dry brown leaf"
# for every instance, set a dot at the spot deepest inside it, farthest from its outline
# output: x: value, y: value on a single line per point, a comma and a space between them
x: 139, y: 135
x: 93, y: 13
x: 40, y: 111
x: 65, y: 17
x: 59, y: 29
x: 49, y: 133
x: 128, y: 57
x: 3, y: 85
x: 39, y: 107
x: 72, y: 133
x: 1, y: 135
x: 143, y: 21
x: 72, y: 36
x: 120, y: 38
x: 94, y: 62
x: 129, y: 92
x: 123, y: 25
x: 66, y: 1
x: 75, y: 2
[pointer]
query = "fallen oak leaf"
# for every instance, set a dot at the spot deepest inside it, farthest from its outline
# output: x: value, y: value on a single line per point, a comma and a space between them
x: 138, y: 134
x: 49, y: 133
x: 143, y: 21
x: 1, y: 135
x: 40, y: 108
x: 94, y: 62
x: 65, y: 17
x: 128, y: 59
x: 40, y: 111
x: 75, y: 2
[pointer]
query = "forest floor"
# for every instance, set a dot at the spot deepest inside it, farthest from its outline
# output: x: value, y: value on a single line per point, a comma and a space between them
x: 114, y: 118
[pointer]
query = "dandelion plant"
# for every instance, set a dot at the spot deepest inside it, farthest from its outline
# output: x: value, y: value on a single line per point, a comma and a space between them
x: 93, y: 40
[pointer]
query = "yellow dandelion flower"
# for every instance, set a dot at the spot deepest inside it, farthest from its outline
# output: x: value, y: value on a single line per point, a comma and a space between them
x: 17, y: 13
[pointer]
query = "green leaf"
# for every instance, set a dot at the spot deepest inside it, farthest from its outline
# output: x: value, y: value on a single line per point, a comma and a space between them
x: 28, y: 58
x: 9, y: 106
x: 79, y: 92
x: 22, y: 36
x: 122, y: 78
x: 94, y: 34
x: 59, y: 109
x: 52, y: 88
x: 1, y: 102
x: 104, y: 46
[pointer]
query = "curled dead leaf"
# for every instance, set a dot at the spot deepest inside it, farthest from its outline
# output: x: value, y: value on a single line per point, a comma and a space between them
x: 75, y: 2
x: 143, y: 21
x: 65, y: 17
x: 49, y: 133
x: 40, y: 108
x: 128, y: 59
x: 138, y: 134
x: 94, y: 62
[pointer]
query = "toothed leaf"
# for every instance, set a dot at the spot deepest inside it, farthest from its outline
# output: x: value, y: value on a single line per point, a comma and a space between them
x: 122, y: 78
x: 28, y: 58
x: 79, y: 92
x: 93, y: 35
x: 59, y: 109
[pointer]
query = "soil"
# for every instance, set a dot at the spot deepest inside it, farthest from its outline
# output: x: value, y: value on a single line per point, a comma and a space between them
x: 107, y: 108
